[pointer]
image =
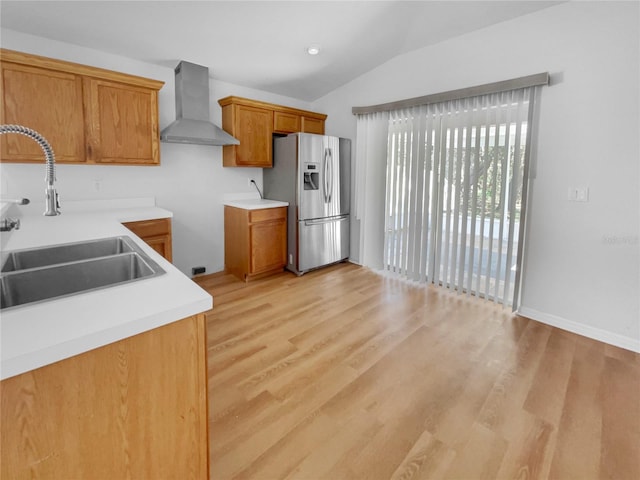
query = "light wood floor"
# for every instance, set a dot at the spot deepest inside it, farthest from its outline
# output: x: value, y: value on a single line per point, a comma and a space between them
x: 343, y: 374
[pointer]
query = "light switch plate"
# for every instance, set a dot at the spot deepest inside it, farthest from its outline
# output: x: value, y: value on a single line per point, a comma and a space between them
x: 578, y: 194
x: 582, y: 194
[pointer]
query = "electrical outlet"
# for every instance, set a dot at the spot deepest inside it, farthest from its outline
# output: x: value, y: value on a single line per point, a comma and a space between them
x: 249, y: 181
x: 198, y: 270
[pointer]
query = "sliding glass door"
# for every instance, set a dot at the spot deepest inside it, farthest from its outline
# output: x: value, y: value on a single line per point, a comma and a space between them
x: 454, y: 197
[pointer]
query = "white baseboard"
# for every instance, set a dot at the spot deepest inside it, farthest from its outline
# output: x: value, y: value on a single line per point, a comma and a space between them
x: 611, y: 338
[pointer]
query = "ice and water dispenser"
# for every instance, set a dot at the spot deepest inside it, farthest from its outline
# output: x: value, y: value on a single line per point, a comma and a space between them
x: 311, y: 176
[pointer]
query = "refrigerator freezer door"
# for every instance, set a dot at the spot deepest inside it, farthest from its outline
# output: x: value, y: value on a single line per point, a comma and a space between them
x: 322, y: 242
x: 323, y: 183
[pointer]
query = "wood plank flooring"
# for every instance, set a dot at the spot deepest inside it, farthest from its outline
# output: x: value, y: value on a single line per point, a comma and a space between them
x: 345, y: 374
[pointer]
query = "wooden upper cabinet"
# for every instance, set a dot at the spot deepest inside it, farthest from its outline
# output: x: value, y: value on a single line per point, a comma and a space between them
x: 253, y: 127
x: 312, y: 125
x: 286, y: 122
x: 122, y: 122
x: 253, y: 123
x: 88, y: 115
x: 48, y: 101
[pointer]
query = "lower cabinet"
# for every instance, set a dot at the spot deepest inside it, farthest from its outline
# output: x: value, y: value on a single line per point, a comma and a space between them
x: 136, y: 408
x: 255, y: 241
x: 156, y: 233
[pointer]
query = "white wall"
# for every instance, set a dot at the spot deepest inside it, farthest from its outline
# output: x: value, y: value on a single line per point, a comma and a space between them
x: 582, y: 259
x: 190, y: 181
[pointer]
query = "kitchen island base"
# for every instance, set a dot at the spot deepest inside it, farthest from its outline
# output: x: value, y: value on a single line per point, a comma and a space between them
x: 136, y: 408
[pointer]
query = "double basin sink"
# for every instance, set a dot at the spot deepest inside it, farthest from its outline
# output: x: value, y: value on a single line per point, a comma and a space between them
x: 41, y: 274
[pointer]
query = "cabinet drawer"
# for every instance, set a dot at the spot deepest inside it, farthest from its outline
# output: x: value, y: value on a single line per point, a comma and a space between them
x: 150, y: 228
x: 267, y: 214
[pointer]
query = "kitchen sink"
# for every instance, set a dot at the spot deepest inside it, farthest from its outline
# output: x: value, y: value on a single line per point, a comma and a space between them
x: 71, y: 269
x: 69, y: 252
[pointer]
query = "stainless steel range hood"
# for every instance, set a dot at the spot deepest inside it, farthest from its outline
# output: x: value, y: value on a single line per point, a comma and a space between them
x: 192, y: 123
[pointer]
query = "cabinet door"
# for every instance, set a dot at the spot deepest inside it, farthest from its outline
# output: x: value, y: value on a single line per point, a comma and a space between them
x: 161, y: 244
x: 254, y: 129
x: 286, y: 122
x: 268, y: 242
x: 122, y: 122
x: 312, y: 125
x: 155, y: 233
x: 47, y: 101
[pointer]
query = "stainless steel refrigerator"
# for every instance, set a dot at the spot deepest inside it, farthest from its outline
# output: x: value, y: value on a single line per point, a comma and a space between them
x: 312, y: 173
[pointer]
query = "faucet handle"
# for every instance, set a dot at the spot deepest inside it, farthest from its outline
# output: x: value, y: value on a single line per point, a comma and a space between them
x: 8, y: 224
x: 17, y: 201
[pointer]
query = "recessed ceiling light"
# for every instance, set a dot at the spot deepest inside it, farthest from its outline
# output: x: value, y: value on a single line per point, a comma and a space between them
x: 313, y: 50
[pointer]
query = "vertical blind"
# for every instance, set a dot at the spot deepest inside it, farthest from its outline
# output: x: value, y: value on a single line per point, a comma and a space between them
x: 455, y: 174
x: 370, y: 175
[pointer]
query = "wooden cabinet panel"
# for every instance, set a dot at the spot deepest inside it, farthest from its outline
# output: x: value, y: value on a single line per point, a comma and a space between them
x: 136, y: 408
x: 123, y: 123
x: 286, y: 122
x: 162, y: 245
x: 236, y: 242
x: 156, y: 233
x: 150, y: 228
x: 253, y: 127
x: 47, y: 101
x: 312, y: 125
x: 254, y: 135
x: 268, y: 242
x: 88, y: 115
x: 255, y: 241
x: 265, y: 214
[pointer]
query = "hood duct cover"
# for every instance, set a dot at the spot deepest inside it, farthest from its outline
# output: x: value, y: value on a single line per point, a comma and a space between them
x: 192, y: 123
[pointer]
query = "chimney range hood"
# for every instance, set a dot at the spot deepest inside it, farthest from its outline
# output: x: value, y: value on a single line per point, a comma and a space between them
x: 192, y: 123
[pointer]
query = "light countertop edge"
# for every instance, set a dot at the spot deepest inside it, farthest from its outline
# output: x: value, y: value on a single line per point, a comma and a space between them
x: 39, y: 334
x: 255, y: 204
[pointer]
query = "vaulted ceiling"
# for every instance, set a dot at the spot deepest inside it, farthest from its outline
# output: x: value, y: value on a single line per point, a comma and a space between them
x: 262, y: 44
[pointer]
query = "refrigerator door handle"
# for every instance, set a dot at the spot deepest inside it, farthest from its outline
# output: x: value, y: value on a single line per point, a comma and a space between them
x: 322, y: 221
x: 325, y: 174
x: 330, y: 168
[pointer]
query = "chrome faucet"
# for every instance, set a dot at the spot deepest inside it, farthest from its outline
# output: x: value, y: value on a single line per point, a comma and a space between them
x: 52, y: 205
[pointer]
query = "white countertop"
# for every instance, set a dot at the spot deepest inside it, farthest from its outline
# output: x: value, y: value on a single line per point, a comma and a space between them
x: 39, y: 334
x: 255, y: 203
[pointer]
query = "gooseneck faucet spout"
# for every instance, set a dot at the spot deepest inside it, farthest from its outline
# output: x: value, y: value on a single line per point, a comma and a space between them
x: 52, y: 207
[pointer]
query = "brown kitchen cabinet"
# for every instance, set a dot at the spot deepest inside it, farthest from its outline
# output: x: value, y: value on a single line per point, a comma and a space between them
x: 155, y: 233
x: 136, y: 408
x: 312, y: 125
x: 286, y: 122
x: 26, y: 90
x: 122, y: 123
x: 254, y: 123
x: 253, y: 127
x: 255, y: 241
x: 88, y: 115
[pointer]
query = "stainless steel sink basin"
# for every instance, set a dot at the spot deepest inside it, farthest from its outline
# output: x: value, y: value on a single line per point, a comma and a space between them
x: 69, y: 252
x: 72, y: 269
